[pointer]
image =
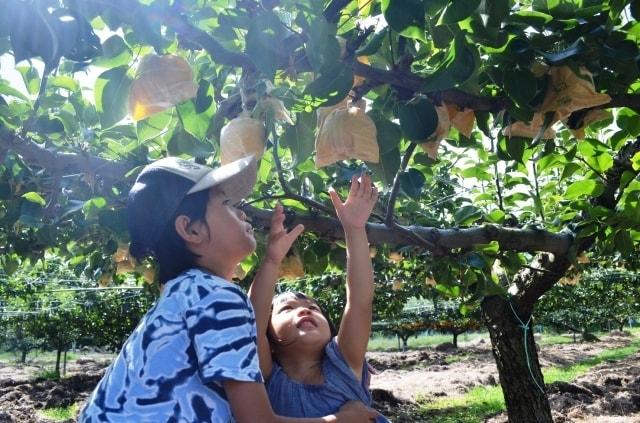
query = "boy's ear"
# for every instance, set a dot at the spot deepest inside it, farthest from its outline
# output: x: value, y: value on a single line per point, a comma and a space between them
x: 189, y: 231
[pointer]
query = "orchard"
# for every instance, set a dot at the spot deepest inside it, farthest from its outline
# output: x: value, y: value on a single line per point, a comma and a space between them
x: 503, y: 136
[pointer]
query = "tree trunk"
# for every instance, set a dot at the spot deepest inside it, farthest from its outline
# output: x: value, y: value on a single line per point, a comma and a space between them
x: 405, y: 339
x: 64, y: 364
x: 58, y: 354
x: 23, y: 357
x: 621, y: 325
x: 455, y: 339
x: 519, y: 369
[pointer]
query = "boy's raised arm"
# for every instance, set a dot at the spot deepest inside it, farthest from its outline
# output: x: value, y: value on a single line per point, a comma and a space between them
x: 264, y: 283
x: 353, y: 335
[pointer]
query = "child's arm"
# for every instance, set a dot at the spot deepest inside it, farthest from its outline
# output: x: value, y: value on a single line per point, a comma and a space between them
x: 353, y: 335
x: 249, y: 403
x: 264, y: 283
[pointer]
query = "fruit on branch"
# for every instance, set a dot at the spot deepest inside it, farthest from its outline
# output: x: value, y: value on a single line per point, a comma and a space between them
x: 161, y: 82
x: 241, y: 137
x: 568, y: 92
x: 291, y: 267
x: 593, y: 115
x: 529, y: 129
x: 345, y: 132
x: 442, y: 130
x: 461, y: 119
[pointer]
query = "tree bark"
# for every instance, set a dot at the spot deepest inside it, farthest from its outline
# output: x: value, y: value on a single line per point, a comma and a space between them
x: 58, y: 354
x: 518, y: 366
x: 455, y: 339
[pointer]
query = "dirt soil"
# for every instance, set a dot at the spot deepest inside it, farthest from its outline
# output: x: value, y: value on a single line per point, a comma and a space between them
x: 609, y: 393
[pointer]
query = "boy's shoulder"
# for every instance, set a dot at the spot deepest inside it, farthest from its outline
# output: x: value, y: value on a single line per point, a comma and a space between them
x: 194, y: 285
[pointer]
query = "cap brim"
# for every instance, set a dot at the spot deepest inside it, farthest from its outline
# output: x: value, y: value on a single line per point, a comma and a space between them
x: 236, y: 178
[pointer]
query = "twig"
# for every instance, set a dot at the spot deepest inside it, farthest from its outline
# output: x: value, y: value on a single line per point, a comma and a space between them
x: 388, y: 219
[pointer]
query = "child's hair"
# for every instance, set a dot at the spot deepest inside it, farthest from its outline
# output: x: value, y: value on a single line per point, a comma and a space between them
x: 172, y: 255
x: 171, y: 187
x: 301, y: 296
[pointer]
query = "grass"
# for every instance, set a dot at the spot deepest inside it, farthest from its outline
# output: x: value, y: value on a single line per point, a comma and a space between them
x: 390, y: 343
x: 482, y: 402
x: 60, y: 413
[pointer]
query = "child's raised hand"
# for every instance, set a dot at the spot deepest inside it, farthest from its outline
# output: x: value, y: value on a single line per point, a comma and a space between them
x: 279, y: 241
x: 355, y: 212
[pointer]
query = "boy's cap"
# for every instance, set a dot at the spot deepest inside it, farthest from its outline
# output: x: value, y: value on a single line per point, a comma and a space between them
x: 163, y: 184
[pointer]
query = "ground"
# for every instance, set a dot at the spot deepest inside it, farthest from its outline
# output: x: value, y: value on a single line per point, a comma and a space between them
x: 609, y: 392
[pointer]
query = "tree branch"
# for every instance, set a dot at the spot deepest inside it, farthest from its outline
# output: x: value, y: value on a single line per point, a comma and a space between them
x: 512, y: 239
x: 62, y: 163
x: 538, y: 283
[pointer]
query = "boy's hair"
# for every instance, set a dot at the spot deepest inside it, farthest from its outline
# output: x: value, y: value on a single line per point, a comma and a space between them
x: 301, y: 296
x: 170, y: 187
x: 172, y: 255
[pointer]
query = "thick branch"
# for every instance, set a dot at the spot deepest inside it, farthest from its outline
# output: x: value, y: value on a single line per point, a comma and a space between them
x: 62, y: 163
x: 217, y: 52
x: 511, y: 239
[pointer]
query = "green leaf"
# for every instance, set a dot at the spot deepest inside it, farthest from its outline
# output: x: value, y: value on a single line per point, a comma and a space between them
x: 182, y: 142
x: 323, y: 48
x: 194, y: 123
x: 405, y: 17
x: 418, y: 119
x: 466, y: 215
x: 115, y: 52
x: 588, y: 187
x: 263, y: 42
x: 389, y: 133
x: 389, y: 164
x: 412, y: 182
x: 154, y: 125
x: 34, y: 197
x: 635, y: 161
x: 460, y: 63
x: 7, y: 89
x: 111, y: 95
x: 92, y: 207
x: 623, y: 242
x: 62, y: 81
x: 374, y: 44
x: 333, y: 85
x: 458, y: 10
x: 31, y: 78
x: 520, y: 85
x: 494, y: 11
x: 300, y: 138
x: 515, y: 147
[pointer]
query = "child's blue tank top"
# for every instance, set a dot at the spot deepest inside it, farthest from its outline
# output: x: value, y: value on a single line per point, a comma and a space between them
x: 294, y: 399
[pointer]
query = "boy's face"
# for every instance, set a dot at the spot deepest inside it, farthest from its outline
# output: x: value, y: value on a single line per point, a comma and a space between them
x: 296, y: 319
x: 230, y: 234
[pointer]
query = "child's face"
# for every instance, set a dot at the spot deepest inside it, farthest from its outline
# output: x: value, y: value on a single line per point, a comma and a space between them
x: 298, y: 320
x: 230, y: 234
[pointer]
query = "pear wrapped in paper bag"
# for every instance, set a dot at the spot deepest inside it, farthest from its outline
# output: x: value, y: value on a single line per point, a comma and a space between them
x: 569, y: 92
x: 529, y: 129
x: 431, y: 145
x: 345, y: 132
x: 161, y: 82
x: 241, y: 137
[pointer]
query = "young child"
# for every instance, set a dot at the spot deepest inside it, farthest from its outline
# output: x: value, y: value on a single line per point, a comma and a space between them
x: 309, y: 370
x: 193, y: 357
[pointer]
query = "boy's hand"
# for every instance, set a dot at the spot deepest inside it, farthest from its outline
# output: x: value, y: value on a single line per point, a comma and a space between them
x: 355, y: 212
x: 355, y: 411
x: 280, y: 241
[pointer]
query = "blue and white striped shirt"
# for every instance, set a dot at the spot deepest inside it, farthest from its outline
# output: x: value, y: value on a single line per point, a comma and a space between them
x: 200, y: 332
